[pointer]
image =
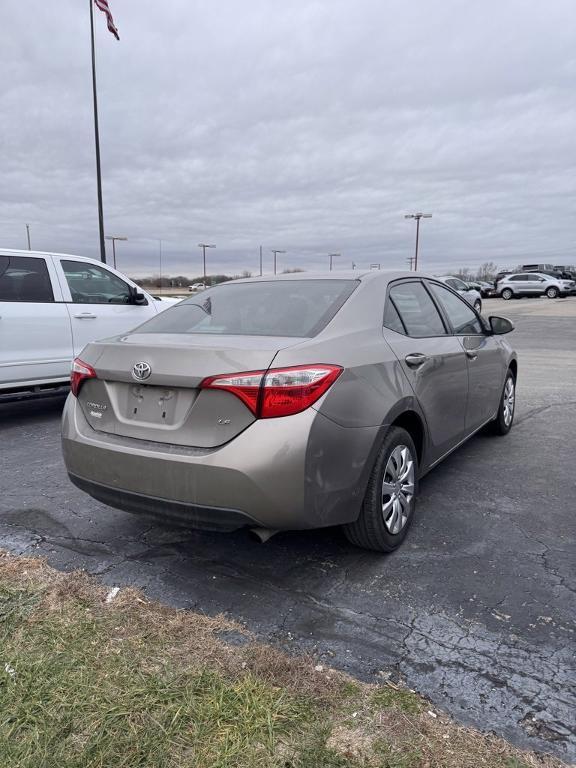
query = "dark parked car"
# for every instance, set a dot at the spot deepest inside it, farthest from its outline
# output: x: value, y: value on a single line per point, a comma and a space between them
x: 298, y: 401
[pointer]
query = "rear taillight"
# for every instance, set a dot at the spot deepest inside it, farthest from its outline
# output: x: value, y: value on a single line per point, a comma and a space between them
x: 80, y: 372
x: 278, y: 391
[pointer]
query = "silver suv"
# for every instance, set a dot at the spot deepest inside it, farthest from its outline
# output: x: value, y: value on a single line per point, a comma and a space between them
x: 469, y: 294
x: 534, y: 284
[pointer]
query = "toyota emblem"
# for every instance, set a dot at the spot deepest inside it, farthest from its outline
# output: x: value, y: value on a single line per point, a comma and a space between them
x: 141, y: 371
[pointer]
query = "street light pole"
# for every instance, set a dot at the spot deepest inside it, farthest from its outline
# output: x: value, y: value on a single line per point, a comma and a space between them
x: 114, y: 238
x: 204, y: 246
x: 97, y: 143
x: 417, y: 216
x: 28, y: 236
x: 260, y: 261
x: 276, y: 252
x: 331, y: 256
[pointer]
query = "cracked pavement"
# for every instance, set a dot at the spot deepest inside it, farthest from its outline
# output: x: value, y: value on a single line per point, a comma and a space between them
x: 475, y: 611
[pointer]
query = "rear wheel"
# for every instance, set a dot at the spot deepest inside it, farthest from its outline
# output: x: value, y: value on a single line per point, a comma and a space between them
x: 507, y: 294
x: 390, y: 499
x: 503, y: 421
x: 552, y: 292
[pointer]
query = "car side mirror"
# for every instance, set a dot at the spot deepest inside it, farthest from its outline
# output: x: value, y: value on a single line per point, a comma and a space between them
x: 136, y: 297
x: 500, y: 325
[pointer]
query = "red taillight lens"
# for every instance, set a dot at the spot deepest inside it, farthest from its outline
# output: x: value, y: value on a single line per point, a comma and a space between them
x: 278, y: 391
x: 246, y: 386
x: 80, y: 372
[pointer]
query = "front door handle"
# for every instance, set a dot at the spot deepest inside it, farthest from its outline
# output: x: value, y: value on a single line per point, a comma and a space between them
x: 471, y: 355
x: 415, y: 359
x: 86, y: 316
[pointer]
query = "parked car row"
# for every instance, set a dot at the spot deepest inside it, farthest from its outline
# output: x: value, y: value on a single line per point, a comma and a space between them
x: 51, y: 306
x: 509, y: 285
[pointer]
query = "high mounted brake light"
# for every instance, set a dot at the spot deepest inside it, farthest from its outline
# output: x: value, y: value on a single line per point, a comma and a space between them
x: 81, y: 371
x: 278, y: 391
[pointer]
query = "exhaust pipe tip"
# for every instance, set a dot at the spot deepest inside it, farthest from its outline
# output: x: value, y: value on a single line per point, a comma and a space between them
x: 262, y: 534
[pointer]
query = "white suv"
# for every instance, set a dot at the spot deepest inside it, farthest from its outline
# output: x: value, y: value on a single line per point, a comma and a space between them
x: 51, y: 306
x: 534, y: 284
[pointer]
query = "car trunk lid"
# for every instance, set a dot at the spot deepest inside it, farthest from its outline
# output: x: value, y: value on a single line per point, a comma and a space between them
x: 167, y: 406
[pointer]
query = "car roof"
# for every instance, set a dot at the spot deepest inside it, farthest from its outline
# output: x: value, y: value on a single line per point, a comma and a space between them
x: 368, y: 275
x: 528, y: 272
x: 452, y: 277
x: 18, y: 252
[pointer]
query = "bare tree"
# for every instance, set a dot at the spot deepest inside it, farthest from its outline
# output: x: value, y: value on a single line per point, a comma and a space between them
x: 487, y: 271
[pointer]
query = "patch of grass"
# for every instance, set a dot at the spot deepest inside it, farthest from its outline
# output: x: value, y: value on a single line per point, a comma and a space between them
x: 77, y: 697
x: 394, y: 758
x: 395, y: 697
x: 15, y: 604
x: 86, y: 683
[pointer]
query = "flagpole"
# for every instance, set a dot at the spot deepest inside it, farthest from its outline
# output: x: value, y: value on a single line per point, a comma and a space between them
x: 97, y: 140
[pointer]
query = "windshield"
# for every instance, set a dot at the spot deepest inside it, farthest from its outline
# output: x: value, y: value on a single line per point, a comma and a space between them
x: 299, y: 308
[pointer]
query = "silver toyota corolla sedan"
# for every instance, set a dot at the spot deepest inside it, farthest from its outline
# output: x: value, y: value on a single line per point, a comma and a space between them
x: 291, y: 402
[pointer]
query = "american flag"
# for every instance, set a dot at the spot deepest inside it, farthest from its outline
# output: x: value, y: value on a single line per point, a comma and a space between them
x: 104, y: 7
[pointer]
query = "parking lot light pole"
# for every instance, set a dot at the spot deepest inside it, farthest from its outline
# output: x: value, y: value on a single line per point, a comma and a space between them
x: 276, y: 252
x: 28, y: 236
x: 204, y: 246
x: 417, y: 216
x: 331, y: 256
x: 114, y: 238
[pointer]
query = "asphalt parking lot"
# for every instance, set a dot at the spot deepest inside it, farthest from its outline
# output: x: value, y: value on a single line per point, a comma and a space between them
x: 476, y: 610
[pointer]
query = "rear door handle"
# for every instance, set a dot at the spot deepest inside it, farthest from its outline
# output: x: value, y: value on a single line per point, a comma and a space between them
x: 471, y: 355
x: 86, y: 316
x: 415, y: 359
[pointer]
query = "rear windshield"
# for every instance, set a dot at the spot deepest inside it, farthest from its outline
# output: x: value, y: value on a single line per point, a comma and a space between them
x: 300, y: 308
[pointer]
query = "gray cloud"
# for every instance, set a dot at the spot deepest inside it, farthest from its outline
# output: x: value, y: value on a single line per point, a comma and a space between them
x: 311, y: 127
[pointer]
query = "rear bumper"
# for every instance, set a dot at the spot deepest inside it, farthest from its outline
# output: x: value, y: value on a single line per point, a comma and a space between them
x: 176, y: 512
x: 302, y: 471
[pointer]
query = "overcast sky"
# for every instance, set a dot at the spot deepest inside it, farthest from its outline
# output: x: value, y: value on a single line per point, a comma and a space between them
x: 304, y: 126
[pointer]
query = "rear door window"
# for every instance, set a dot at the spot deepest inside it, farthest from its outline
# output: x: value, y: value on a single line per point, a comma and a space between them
x: 392, y: 318
x: 26, y: 279
x: 91, y: 284
x: 417, y: 311
x: 299, y: 308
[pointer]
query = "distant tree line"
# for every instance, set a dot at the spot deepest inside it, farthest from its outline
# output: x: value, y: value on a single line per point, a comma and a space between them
x: 183, y: 281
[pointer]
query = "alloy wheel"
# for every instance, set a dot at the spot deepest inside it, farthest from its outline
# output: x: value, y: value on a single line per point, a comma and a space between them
x: 398, y: 489
x: 509, y: 400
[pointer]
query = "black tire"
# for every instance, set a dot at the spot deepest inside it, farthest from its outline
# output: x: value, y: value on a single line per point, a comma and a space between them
x: 500, y: 425
x: 478, y: 306
x: 507, y: 294
x: 552, y: 292
x: 369, y: 531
